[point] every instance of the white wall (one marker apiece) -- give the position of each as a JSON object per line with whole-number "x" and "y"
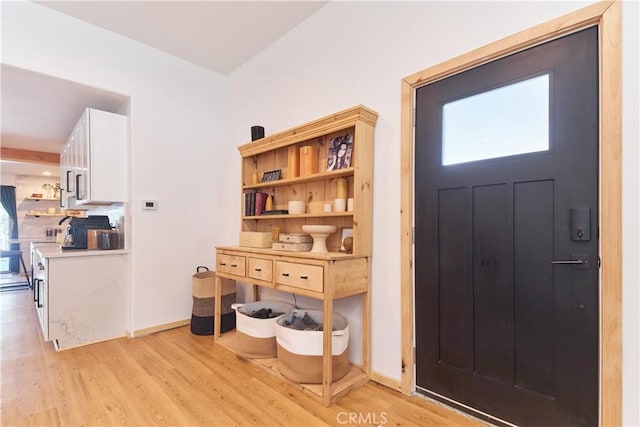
{"x": 352, "y": 53}
{"x": 178, "y": 116}
{"x": 8, "y": 179}
{"x": 630, "y": 214}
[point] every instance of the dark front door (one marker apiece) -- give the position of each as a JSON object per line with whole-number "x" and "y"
{"x": 506, "y": 240}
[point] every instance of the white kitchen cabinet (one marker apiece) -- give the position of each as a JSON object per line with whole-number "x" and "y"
{"x": 93, "y": 162}
{"x": 80, "y": 297}
{"x": 41, "y": 298}
{"x": 68, "y": 171}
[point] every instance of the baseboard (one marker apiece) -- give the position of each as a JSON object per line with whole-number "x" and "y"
{"x": 386, "y": 381}
{"x": 160, "y": 328}
{"x": 461, "y": 408}
{"x": 57, "y": 348}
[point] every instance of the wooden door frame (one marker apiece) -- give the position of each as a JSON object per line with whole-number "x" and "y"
{"x": 607, "y": 15}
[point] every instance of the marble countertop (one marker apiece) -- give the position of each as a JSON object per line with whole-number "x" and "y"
{"x": 32, "y": 240}
{"x": 55, "y": 251}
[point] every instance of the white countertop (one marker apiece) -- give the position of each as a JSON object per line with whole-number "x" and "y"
{"x": 33, "y": 240}
{"x": 55, "y": 251}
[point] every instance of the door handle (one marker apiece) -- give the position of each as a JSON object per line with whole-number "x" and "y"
{"x": 580, "y": 261}
{"x": 68, "y": 186}
{"x": 78, "y": 195}
{"x": 38, "y": 303}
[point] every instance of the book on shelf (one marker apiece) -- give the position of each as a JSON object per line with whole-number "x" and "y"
{"x": 261, "y": 200}
{"x": 248, "y": 207}
{"x": 254, "y": 203}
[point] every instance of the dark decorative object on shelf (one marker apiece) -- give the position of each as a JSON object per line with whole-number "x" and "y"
{"x": 257, "y": 132}
{"x": 276, "y": 212}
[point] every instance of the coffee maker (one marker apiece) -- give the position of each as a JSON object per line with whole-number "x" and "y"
{"x": 78, "y": 230}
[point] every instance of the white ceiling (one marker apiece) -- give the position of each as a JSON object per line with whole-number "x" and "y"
{"x": 219, "y": 35}
{"x": 38, "y": 112}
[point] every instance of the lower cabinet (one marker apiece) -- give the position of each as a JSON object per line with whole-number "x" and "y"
{"x": 299, "y": 275}
{"x": 42, "y": 307}
{"x": 81, "y": 299}
{"x": 261, "y": 269}
{"x": 324, "y": 277}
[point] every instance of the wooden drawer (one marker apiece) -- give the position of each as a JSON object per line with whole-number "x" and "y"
{"x": 260, "y": 269}
{"x": 231, "y": 264}
{"x": 300, "y": 275}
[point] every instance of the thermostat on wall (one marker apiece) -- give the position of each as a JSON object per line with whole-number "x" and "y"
{"x": 150, "y": 204}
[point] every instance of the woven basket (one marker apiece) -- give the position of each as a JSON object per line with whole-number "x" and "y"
{"x": 203, "y": 290}
{"x": 255, "y": 337}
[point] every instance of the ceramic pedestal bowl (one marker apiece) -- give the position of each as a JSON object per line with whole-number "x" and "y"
{"x": 319, "y": 233}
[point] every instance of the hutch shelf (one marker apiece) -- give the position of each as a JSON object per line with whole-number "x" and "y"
{"x": 323, "y": 276}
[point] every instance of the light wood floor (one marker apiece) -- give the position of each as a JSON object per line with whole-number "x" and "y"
{"x": 171, "y": 378}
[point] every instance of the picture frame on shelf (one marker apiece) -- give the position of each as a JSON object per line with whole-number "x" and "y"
{"x": 273, "y": 175}
{"x": 339, "y": 153}
{"x": 346, "y": 232}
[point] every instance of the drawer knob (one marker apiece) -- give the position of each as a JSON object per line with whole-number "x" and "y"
{"x": 234, "y": 265}
{"x": 257, "y": 269}
{"x": 304, "y": 277}
{"x": 223, "y": 263}
{"x": 285, "y": 274}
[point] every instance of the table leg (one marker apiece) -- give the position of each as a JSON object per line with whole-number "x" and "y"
{"x": 327, "y": 351}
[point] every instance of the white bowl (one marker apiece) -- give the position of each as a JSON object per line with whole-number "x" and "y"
{"x": 296, "y": 207}
{"x": 319, "y": 234}
{"x": 319, "y": 229}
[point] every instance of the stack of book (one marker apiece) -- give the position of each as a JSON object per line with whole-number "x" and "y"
{"x": 254, "y": 203}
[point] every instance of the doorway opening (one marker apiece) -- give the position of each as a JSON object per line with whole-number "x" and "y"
{"x": 4, "y": 239}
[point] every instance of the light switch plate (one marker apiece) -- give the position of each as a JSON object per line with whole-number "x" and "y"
{"x": 150, "y": 205}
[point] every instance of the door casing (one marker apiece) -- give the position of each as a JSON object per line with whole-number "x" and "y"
{"x": 607, "y": 16}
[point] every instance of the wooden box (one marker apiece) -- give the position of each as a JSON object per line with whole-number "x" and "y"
{"x": 255, "y": 239}
{"x": 292, "y": 247}
{"x": 295, "y": 238}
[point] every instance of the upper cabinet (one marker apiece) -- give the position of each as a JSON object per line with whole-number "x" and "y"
{"x": 313, "y": 165}
{"x": 93, "y": 161}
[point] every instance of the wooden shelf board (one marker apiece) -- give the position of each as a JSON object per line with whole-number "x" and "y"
{"x": 355, "y": 377}
{"x": 302, "y": 179}
{"x": 44, "y": 199}
{"x": 306, "y": 215}
{"x": 44, "y": 214}
{"x": 307, "y": 255}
